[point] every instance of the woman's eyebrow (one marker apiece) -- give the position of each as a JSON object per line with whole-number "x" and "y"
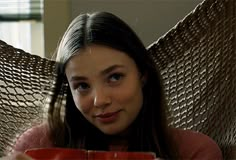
{"x": 111, "y": 68}
{"x": 103, "y": 72}
{"x": 78, "y": 78}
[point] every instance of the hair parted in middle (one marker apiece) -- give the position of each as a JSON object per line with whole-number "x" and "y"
{"x": 70, "y": 129}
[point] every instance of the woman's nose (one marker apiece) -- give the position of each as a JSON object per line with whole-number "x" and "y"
{"x": 101, "y": 97}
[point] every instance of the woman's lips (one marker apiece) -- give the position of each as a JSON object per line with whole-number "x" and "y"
{"x": 107, "y": 117}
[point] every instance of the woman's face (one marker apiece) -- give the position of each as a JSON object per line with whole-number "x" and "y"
{"x": 106, "y": 87}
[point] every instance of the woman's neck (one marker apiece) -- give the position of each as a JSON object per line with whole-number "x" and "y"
{"x": 118, "y": 144}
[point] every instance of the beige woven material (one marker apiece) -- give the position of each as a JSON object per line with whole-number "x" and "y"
{"x": 197, "y": 59}
{"x": 24, "y": 82}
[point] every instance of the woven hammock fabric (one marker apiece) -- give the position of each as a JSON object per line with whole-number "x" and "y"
{"x": 197, "y": 59}
{"x": 24, "y": 84}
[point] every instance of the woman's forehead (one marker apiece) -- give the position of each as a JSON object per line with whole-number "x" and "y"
{"x": 98, "y": 58}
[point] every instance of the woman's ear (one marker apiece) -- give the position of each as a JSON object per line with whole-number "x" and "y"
{"x": 143, "y": 78}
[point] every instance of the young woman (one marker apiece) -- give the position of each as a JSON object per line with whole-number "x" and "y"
{"x": 114, "y": 97}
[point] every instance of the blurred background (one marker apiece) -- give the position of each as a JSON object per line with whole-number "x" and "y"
{"x": 36, "y": 26}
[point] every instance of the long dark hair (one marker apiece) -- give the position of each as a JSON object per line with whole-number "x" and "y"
{"x": 69, "y": 128}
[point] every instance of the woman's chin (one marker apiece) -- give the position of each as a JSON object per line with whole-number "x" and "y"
{"x": 115, "y": 131}
{"x": 111, "y": 131}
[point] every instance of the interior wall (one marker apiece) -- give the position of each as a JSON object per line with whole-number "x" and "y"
{"x": 57, "y": 16}
{"x": 149, "y": 18}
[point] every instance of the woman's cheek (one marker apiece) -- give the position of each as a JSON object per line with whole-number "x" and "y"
{"x": 83, "y": 104}
{"x": 127, "y": 93}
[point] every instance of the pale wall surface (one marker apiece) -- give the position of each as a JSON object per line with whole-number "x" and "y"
{"x": 57, "y": 15}
{"x": 149, "y": 18}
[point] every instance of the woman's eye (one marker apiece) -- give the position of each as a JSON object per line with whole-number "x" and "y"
{"x": 82, "y": 87}
{"x": 115, "y": 77}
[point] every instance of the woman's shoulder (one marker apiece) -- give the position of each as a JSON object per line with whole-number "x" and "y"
{"x": 196, "y": 145}
{"x": 36, "y": 137}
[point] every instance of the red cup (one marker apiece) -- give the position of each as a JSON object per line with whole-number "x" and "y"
{"x": 80, "y": 154}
